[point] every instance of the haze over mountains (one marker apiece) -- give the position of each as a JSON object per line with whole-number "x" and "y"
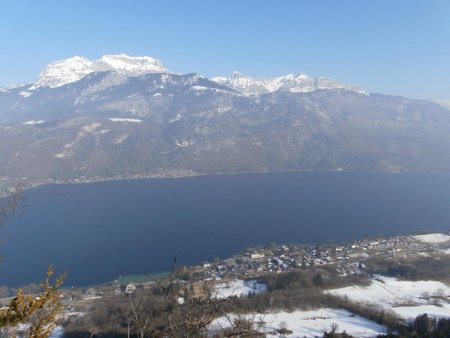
{"x": 122, "y": 116}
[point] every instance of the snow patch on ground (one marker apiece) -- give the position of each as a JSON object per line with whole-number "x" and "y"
{"x": 407, "y": 299}
{"x": 33, "y": 122}
{"x": 203, "y": 88}
{"x": 312, "y": 323}
{"x": 25, "y": 94}
{"x": 182, "y": 143}
{"x": 432, "y": 238}
{"x": 199, "y": 88}
{"x": 58, "y": 332}
{"x": 118, "y": 119}
{"x": 176, "y": 118}
{"x": 238, "y": 288}
{"x": 411, "y": 312}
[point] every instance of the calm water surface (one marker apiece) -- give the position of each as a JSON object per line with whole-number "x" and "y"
{"x": 98, "y": 231}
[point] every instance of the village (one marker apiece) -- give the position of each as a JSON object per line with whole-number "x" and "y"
{"x": 9, "y": 184}
{"x": 254, "y": 263}
{"x": 245, "y": 274}
{"x": 347, "y": 258}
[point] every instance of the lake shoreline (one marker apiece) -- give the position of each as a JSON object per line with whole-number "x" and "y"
{"x": 135, "y": 226}
{"x": 7, "y": 187}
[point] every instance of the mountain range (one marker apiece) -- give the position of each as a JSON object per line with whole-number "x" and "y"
{"x": 122, "y": 116}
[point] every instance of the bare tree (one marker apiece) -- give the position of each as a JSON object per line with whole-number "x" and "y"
{"x": 182, "y": 311}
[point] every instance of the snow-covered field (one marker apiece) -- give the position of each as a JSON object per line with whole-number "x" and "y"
{"x": 238, "y": 288}
{"x": 407, "y": 299}
{"x": 433, "y": 238}
{"x": 312, "y": 323}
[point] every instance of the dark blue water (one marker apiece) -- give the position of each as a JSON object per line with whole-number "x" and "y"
{"x": 99, "y": 231}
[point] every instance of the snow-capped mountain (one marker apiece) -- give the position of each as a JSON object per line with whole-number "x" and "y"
{"x": 123, "y": 116}
{"x": 72, "y": 70}
{"x": 8, "y": 88}
{"x": 62, "y": 72}
{"x": 300, "y": 83}
{"x": 444, "y": 103}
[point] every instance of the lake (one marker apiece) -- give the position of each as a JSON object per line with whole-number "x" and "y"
{"x": 98, "y": 231}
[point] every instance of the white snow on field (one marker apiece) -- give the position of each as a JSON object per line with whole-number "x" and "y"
{"x": 117, "y": 119}
{"x": 34, "y": 122}
{"x": 238, "y": 288}
{"x": 432, "y": 238}
{"x": 407, "y": 299}
{"x": 58, "y": 332}
{"x": 312, "y": 323}
{"x": 411, "y": 312}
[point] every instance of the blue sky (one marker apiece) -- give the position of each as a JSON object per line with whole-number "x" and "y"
{"x": 388, "y": 46}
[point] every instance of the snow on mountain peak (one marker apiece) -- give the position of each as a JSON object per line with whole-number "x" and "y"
{"x": 133, "y": 65}
{"x": 62, "y": 72}
{"x": 236, "y": 74}
{"x": 8, "y": 88}
{"x": 299, "y": 83}
{"x": 73, "y": 69}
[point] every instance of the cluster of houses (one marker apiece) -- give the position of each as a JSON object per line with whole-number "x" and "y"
{"x": 8, "y": 183}
{"x": 346, "y": 258}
